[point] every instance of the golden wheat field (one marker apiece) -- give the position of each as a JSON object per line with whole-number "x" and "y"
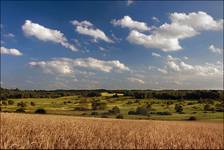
{"x": 27, "y": 131}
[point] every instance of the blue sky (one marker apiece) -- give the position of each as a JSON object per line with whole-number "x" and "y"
{"x": 112, "y": 44}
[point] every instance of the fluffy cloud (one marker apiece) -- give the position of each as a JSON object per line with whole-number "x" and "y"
{"x": 136, "y": 80}
{"x": 214, "y": 49}
{"x": 11, "y": 51}
{"x": 182, "y": 26}
{"x": 172, "y": 65}
{"x": 185, "y": 57}
{"x": 155, "y": 19}
{"x": 199, "y": 21}
{"x": 45, "y": 34}
{"x": 177, "y": 65}
{"x": 164, "y": 71}
{"x": 127, "y": 22}
{"x": 9, "y": 35}
{"x": 105, "y": 66}
{"x": 156, "y": 54}
{"x": 129, "y": 2}
{"x": 87, "y": 28}
{"x": 67, "y": 66}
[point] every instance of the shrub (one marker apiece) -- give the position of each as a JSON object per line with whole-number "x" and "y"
{"x": 106, "y": 113}
{"x": 115, "y": 95}
{"x": 208, "y": 107}
{"x": 10, "y": 102}
{"x": 142, "y": 110}
{"x": 40, "y": 111}
{"x": 164, "y": 113}
{"x": 96, "y": 105}
{"x": 131, "y": 112}
{"x": 20, "y": 110}
{"x": 32, "y": 104}
{"x": 179, "y": 108}
{"x": 94, "y": 113}
{"x": 194, "y": 107}
{"x": 190, "y": 103}
{"x": 4, "y": 103}
{"x": 129, "y": 102}
{"x": 192, "y": 118}
{"x": 219, "y": 109}
{"x": 115, "y": 110}
{"x": 120, "y": 116}
{"x": 81, "y": 109}
{"x": 104, "y": 116}
{"x": 21, "y": 104}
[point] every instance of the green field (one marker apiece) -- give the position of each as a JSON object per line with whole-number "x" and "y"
{"x": 67, "y": 106}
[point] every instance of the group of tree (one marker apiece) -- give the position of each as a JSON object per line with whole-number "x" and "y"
{"x": 137, "y": 94}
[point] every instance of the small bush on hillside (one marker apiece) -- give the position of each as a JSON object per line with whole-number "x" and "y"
{"x": 32, "y": 104}
{"x": 114, "y": 110}
{"x": 10, "y": 102}
{"x": 20, "y": 110}
{"x": 190, "y": 103}
{"x": 4, "y": 103}
{"x": 179, "y": 108}
{"x": 142, "y": 111}
{"x": 104, "y": 116}
{"x": 97, "y": 105}
{"x": 131, "y": 112}
{"x": 81, "y": 109}
{"x": 106, "y": 113}
{"x": 21, "y": 104}
{"x": 94, "y": 113}
{"x": 191, "y": 118}
{"x": 40, "y": 111}
{"x": 164, "y": 113}
{"x": 129, "y": 102}
{"x": 208, "y": 107}
{"x": 115, "y": 96}
{"x": 194, "y": 107}
{"x": 120, "y": 116}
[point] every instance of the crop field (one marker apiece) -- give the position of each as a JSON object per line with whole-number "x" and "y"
{"x": 82, "y": 106}
{"x": 67, "y": 132}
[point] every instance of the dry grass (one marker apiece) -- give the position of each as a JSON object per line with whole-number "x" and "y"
{"x": 64, "y": 132}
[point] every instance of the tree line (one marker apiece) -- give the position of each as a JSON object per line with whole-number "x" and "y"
{"x": 137, "y": 94}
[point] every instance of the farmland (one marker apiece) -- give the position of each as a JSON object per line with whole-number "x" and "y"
{"x": 63, "y": 132}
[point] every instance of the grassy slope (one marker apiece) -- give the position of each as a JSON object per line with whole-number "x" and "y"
{"x": 57, "y": 106}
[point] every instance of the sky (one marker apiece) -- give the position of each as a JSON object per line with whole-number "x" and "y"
{"x": 112, "y": 44}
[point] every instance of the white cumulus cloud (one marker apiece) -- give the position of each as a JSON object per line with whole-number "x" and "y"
{"x": 87, "y": 28}
{"x": 67, "y": 66}
{"x": 128, "y": 22}
{"x": 214, "y": 49}
{"x": 11, "y": 51}
{"x": 179, "y": 66}
{"x": 167, "y": 36}
{"x": 45, "y": 34}
{"x": 136, "y": 80}
{"x": 129, "y": 2}
{"x": 156, "y": 54}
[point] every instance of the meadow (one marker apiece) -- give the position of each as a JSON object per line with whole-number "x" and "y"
{"x": 83, "y": 106}
{"x": 34, "y": 131}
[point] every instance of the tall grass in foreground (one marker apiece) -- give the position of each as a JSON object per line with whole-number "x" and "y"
{"x": 64, "y": 132}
